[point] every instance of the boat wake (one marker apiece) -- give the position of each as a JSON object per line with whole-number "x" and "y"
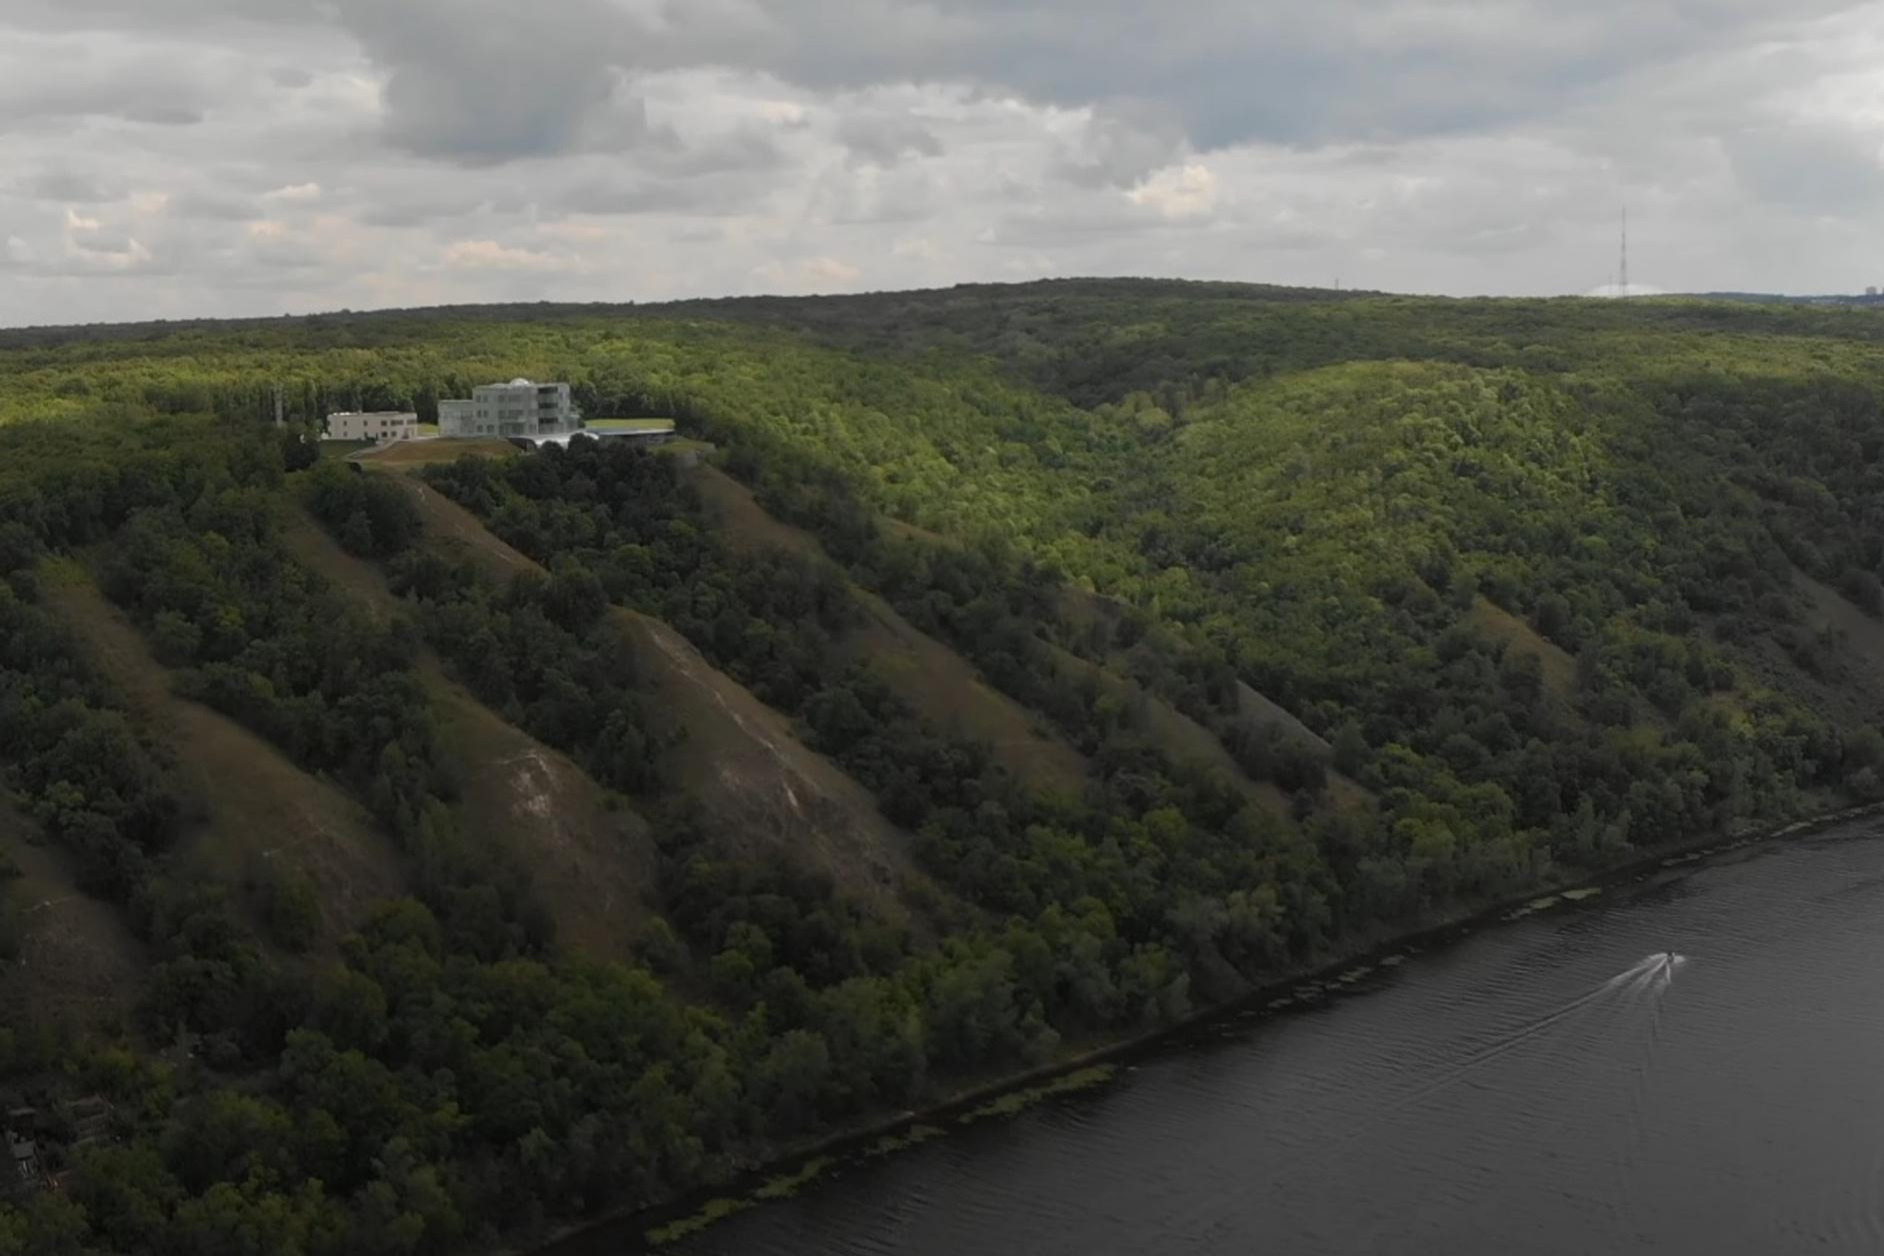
{"x": 1652, "y": 972}
{"x": 1640, "y": 983}
{"x": 1612, "y": 1009}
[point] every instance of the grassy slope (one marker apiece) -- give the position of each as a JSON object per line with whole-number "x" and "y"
{"x": 592, "y": 856}
{"x": 925, "y": 673}
{"x": 1081, "y": 606}
{"x": 1246, "y": 455}
{"x": 1830, "y": 609}
{"x": 1852, "y": 684}
{"x": 1170, "y": 728}
{"x": 943, "y": 685}
{"x": 1271, "y": 714}
{"x": 254, "y": 810}
{"x": 1518, "y": 637}
{"x": 1174, "y": 732}
{"x": 424, "y": 452}
{"x": 78, "y": 960}
{"x": 765, "y": 789}
{"x": 740, "y": 760}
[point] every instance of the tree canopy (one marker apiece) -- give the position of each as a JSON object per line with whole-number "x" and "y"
{"x": 1357, "y": 612}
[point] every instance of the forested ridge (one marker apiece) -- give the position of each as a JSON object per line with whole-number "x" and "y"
{"x": 1462, "y": 599}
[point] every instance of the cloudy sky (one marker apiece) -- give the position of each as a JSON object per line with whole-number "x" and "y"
{"x": 164, "y": 158}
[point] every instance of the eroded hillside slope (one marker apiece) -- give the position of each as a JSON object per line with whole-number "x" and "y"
{"x": 1081, "y": 654}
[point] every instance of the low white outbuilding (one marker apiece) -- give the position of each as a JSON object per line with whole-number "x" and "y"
{"x": 373, "y": 425}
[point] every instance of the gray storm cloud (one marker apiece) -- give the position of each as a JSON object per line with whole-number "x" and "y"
{"x": 613, "y": 149}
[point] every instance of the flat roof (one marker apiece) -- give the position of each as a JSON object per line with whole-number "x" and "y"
{"x": 563, "y": 438}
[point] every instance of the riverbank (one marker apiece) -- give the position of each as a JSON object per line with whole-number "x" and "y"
{"x": 1324, "y": 977}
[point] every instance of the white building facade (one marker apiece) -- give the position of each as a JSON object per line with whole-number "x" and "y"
{"x": 376, "y": 425}
{"x": 519, "y": 408}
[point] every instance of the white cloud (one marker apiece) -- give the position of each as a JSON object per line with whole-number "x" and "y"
{"x": 490, "y": 255}
{"x": 255, "y": 156}
{"x": 1187, "y": 191}
{"x": 91, "y": 244}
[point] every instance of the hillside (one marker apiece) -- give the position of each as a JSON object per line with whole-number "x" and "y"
{"x": 739, "y": 760}
{"x": 930, "y": 677}
{"x": 1028, "y": 667}
{"x": 252, "y": 819}
{"x": 67, "y": 955}
{"x": 589, "y": 852}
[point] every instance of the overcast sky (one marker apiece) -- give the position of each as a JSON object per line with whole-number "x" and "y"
{"x": 166, "y": 158}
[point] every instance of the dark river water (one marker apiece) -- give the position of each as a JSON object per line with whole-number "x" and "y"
{"x": 1553, "y": 1085}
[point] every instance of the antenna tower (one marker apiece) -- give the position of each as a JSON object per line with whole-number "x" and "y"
{"x": 1622, "y": 284}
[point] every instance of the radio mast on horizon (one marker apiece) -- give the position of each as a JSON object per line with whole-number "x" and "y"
{"x": 1622, "y": 283}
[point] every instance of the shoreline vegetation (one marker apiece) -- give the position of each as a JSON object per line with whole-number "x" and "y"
{"x": 786, "y": 1175}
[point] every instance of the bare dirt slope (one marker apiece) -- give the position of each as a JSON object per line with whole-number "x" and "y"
{"x": 753, "y": 776}
{"x": 939, "y": 683}
{"x": 253, "y": 812}
{"x": 591, "y": 855}
{"x": 740, "y": 760}
{"x": 75, "y": 955}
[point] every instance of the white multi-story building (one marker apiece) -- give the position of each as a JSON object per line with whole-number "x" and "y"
{"x": 519, "y": 408}
{"x": 378, "y": 425}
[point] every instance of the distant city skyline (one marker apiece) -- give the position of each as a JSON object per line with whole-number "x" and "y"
{"x": 186, "y": 158}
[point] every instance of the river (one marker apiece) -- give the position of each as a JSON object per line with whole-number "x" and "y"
{"x": 1559, "y": 1084}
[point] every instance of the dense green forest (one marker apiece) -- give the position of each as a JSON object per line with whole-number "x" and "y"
{"x": 1348, "y": 614}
